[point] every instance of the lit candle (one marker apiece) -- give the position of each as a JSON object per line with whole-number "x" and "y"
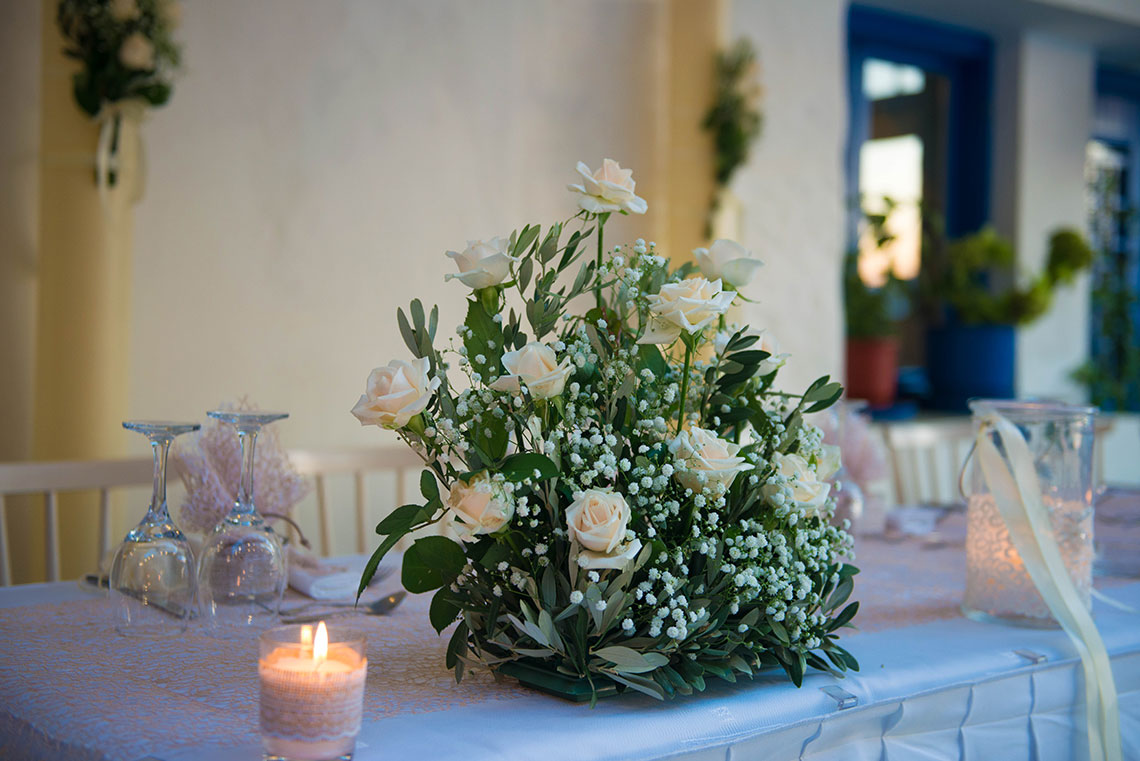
{"x": 312, "y": 692}
{"x": 998, "y": 585}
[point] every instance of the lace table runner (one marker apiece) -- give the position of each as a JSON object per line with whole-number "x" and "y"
{"x": 72, "y": 688}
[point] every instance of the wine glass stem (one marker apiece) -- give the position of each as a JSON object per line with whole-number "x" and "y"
{"x": 161, "y": 448}
{"x": 248, "y": 439}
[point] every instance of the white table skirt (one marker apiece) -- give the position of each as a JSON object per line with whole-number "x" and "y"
{"x": 949, "y": 689}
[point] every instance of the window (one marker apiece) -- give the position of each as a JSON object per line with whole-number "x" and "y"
{"x": 920, "y": 135}
{"x": 1112, "y": 176}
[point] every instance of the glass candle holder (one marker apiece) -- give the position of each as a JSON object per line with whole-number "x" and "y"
{"x": 312, "y": 692}
{"x": 1060, "y": 441}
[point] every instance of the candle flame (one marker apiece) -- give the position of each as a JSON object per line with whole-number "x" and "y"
{"x": 321, "y": 643}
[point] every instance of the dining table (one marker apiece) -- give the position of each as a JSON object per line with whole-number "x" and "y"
{"x": 932, "y": 684}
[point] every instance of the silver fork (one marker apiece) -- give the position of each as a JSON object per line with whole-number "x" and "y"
{"x": 380, "y": 607}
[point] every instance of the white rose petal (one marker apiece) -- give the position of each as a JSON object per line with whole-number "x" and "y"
{"x": 597, "y": 522}
{"x": 729, "y": 261}
{"x": 478, "y": 506}
{"x": 808, "y": 490}
{"x": 396, "y": 393}
{"x": 688, "y": 306}
{"x": 484, "y": 263}
{"x": 703, "y": 452}
{"x": 535, "y": 365}
{"x": 829, "y": 462}
{"x": 607, "y": 190}
{"x": 621, "y": 557}
{"x": 137, "y": 52}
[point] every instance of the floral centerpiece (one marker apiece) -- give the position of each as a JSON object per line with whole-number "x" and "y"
{"x": 128, "y": 56}
{"x": 619, "y": 497}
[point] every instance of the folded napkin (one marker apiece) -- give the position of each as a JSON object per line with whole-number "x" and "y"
{"x": 333, "y": 578}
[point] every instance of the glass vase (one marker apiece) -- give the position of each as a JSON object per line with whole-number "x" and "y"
{"x": 152, "y": 582}
{"x": 1059, "y": 438}
{"x": 242, "y": 570}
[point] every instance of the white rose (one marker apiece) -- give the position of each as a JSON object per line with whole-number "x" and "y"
{"x": 597, "y": 522}
{"x": 808, "y": 491}
{"x": 608, "y": 189}
{"x": 537, "y": 367}
{"x": 137, "y": 52}
{"x": 396, "y": 393}
{"x": 124, "y": 10}
{"x": 689, "y": 306}
{"x": 703, "y": 452}
{"x": 483, "y": 263}
{"x": 829, "y": 461}
{"x": 729, "y": 261}
{"x": 766, "y": 343}
{"x": 478, "y": 507}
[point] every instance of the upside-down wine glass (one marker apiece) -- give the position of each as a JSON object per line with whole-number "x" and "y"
{"x": 152, "y": 581}
{"x": 242, "y": 572}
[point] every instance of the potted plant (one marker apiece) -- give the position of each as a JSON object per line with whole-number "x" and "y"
{"x": 872, "y": 314}
{"x": 975, "y": 303}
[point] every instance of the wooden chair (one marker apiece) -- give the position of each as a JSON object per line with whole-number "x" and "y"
{"x": 49, "y": 479}
{"x": 926, "y": 457}
{"x": 358, "y": 463}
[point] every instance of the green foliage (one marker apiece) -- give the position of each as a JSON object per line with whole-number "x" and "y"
{"x": 976, "y": 277}
{"x": 734, "y": 120}
{"x": 94, "y": 37}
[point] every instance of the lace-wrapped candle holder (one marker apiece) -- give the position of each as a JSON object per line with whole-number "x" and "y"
{"x": 1060, "y": 441}
{"x": 312, "y": 692}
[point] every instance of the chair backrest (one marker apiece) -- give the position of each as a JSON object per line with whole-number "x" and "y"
{"x": 926, "y": 457}
{"x": 358, "y": 463}
{"x": 49, "y": 479}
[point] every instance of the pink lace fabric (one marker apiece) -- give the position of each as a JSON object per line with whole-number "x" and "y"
{"x": 72, "y": 688}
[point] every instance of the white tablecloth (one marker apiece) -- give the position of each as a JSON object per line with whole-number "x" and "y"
{"x": 952, "y": 688}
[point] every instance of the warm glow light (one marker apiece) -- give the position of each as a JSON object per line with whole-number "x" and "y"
{"x": 892, "y": 167}
{"x": 321, "y": 643}
{"x": 306, "y": 636}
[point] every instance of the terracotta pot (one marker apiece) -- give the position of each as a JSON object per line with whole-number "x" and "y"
{"x": 873, "y": 369}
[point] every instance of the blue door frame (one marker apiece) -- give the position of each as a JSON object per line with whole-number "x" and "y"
{"x": 963, "y": 56}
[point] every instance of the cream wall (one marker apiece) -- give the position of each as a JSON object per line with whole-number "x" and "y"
{"x": 19, "y": 144}
{"x": 1049, "y": 83}
{"x": 792, "y": 188}
{"x": 317, "y": 159}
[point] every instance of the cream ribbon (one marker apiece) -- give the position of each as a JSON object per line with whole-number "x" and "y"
{"x": 110, "y": 117}
{"x": 1017, "y": 494}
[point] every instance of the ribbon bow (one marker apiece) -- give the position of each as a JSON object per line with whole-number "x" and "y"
{"x": 1012, "y": 480}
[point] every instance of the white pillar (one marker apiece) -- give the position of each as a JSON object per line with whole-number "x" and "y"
{"x": 1044, "y": 91}
{"x": 792, "y": 189}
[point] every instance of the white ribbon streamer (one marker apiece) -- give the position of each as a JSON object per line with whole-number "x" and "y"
{"x": 110, "y": 119}
{"x": 1017, "y": 493}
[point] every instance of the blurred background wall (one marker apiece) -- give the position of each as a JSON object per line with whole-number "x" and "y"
{"x": 318, "y": 159}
